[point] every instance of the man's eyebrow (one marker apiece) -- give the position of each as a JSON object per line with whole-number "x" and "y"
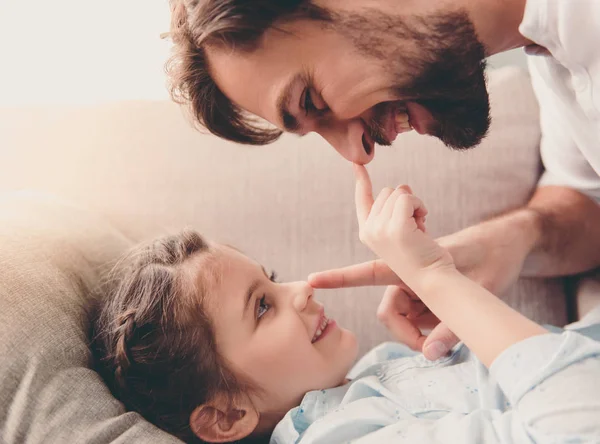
{"x": 290, "y": 123}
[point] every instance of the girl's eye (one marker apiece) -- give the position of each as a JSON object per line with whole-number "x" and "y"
{"x": 262, "y": 308}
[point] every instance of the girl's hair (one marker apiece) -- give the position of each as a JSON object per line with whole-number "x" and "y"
{"x": 233, "y": 24}
{"x": 154, "y": 340}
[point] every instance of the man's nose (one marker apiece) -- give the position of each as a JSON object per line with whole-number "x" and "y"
{"x": 301, "y": 295}
{"x": 349, "y": 139}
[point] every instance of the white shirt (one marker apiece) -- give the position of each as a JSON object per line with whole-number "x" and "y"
{"x": 567, "y": 86}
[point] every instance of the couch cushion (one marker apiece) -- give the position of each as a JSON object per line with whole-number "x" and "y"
{"x": 51, "y": 254}
{"x": 289, "y": 205}
{"x": 588, "y": 293}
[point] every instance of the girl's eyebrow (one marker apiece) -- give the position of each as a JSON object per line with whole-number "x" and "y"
{"x": 249, "y": 294}
{"x": 251, "y": 291}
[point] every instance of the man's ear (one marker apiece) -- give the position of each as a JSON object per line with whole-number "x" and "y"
{"x": 224, "y": 421}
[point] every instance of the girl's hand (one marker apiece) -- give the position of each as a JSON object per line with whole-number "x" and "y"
{"x": 393, "y": 227}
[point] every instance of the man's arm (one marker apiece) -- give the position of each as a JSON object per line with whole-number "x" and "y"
{"x": 568, "y": 225}
{"x": 556, "y": 234}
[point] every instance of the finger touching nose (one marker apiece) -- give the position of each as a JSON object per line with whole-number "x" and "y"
{"x": 350, "y": 139}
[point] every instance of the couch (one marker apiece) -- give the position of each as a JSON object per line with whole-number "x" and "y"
{"x": 79, "y": 185}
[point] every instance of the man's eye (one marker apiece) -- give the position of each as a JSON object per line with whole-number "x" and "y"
{"x": 308, "y": 102}
{"x": 262, "y": 308}
{"x": 312, "y": 102}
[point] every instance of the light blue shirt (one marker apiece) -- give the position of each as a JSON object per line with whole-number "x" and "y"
{"x": 545, "y": 389}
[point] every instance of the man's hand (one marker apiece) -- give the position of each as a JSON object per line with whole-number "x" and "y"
{"x": 491, "y": 253}
{"x": 404, "y": 315}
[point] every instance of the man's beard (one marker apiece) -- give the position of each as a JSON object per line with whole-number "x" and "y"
{"x": 438, "y": 62}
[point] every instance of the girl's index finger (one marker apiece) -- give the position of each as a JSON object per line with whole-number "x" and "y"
{"x": 364, "y": 193}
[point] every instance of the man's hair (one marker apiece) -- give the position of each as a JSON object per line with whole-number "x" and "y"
{"x": 233, "y": 24}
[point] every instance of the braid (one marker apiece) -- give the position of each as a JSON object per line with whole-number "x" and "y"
{"x": 123, "y": 358}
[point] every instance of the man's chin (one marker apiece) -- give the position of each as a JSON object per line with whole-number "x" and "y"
{"x": 459, "y": 134}
{"x": 460, "y": 139}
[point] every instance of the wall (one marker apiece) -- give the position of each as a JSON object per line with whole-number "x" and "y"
{"x": 90, "y": 51}
{"x": 82, "y": 51}
{"x": 514, "y": 57}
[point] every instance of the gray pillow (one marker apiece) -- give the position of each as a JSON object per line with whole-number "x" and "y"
{"x": 50, "y": 255}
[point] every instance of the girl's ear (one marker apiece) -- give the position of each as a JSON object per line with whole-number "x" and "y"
{"x": 224, "y": 421}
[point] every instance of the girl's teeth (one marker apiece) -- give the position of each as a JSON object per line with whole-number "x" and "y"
{"x": 321, "y": 328}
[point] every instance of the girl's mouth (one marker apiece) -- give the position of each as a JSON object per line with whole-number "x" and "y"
{"x": 323, "y": 328}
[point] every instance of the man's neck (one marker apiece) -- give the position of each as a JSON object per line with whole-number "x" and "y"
{"x": 497, "y": 23}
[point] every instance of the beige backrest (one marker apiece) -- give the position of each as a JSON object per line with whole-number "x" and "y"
{"x": 289, "y": 205}
{"x": 146, "y": 171}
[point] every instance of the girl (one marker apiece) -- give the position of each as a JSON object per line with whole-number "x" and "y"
{"x": 204, "y": 343}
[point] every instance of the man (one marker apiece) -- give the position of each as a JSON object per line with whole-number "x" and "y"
{"x": 361, "y": 72}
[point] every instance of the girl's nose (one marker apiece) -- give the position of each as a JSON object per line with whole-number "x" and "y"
{"x": 302, "y": 293}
